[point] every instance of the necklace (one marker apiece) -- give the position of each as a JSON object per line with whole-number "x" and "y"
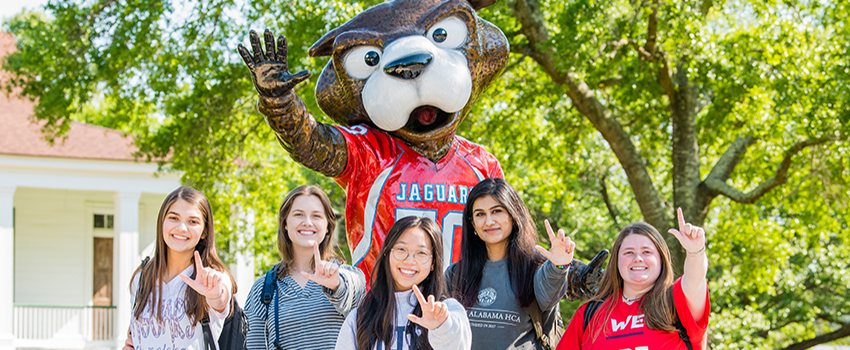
{"x": 630, "y": 300}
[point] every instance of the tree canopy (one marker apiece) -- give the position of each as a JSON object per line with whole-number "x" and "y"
{"x": 610, "y": 112}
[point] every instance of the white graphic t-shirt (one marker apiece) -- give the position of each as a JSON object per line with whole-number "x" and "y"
{"x": 175, "y": 332}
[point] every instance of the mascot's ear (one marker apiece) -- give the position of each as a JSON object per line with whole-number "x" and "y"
{"x": 480, "y": 4}
{"x": 324, "y": 46}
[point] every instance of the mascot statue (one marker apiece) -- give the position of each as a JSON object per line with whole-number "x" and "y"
{"x": 401, "y": 77}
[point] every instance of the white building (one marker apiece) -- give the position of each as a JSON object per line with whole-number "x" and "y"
{"x": 75, "y": 219}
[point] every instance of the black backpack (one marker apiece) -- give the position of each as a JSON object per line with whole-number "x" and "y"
{"x": 234, "y": 331}
{"x": 593, "y": 305}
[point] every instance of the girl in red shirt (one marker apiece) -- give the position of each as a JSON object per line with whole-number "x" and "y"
{"x": 640, "y": 307}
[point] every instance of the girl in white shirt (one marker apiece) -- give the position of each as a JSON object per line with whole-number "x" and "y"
{"x": 183, "y": 282}
{"x": 395, "y": 314}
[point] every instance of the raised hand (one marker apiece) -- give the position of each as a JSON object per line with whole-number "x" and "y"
{"x": 691, "y": 237}
{"x": 207, "y": 281}
{"x": 326, "y": 272}
{"x": 434, "y": 313}
{"x": 562, "y": 249}
{"x": 269, "y": 69}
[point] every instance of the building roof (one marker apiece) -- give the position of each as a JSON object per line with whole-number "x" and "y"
{"x": 20, "y": 136}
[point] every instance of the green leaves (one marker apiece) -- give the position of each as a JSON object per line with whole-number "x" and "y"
{"x": 777, "y": 71}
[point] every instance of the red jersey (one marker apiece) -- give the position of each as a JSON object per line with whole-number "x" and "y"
{"x": 626, "y": 329}
{"x": 385, "y": 180}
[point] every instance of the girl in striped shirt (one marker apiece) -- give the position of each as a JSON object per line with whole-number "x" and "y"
{"x": 313, "y": 290}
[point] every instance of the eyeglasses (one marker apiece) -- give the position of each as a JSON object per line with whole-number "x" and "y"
{"x": 401, "y": 254}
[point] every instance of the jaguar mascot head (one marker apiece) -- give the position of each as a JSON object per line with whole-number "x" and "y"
{"x": 410, "y": 68}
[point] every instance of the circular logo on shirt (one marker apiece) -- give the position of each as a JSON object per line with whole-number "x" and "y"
{"x": 486, "y": 296}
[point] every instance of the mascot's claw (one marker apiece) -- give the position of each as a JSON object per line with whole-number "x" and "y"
{"x": 583, "y": 279}
{"x": 269, "y": 69}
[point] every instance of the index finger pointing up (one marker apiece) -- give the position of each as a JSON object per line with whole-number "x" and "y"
{"x": 316, "y": 255}
{"x": 419, "y": 296}
{"x": 200, "y": 273}
{"x": 199, "y": 265}
{"x": 549, "y": 231}
{"x": 681, "y": 218}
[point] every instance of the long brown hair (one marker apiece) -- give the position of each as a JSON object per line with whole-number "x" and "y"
{"x": 523, "y": 259}
{"x": 284, "y": 244}
{"x": 151, "y": 279}
{"x": 657, "y": 304}
{"x": 377, "y": 314}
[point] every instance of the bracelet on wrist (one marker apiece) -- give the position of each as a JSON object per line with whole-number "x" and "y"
{"x": 562, "y": 266}
{"x": 697, "y": 253}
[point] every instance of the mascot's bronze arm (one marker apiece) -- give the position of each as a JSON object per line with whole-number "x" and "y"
{"x": 318, "y": 146}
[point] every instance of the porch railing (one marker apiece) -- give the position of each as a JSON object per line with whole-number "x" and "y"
{"x": 70, "y": 326}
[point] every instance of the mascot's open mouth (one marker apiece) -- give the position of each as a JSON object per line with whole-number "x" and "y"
{"x": 426, "y": 118}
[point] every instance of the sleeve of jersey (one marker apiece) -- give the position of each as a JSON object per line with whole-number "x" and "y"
{"x": 696, "y": 328}
{"x": 367, "y": 147}
{"x": 572, "y": 335}
{"x": 496, "y": 171}
{"x": 494, "y": 168}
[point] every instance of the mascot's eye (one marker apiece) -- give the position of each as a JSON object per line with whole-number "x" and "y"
{"x": 361, "y": 61}
{"x": 439, "y": 35}
{"x": 372, "y": 58}
{"x": 449, "y": 33}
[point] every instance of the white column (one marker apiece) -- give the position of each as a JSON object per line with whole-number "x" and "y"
{"x": 7, "y": 267}
{"x": 243, "y": 268}
{"x": 126, "y": 259}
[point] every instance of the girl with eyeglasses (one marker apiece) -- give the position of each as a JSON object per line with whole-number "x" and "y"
{"x": 395, "y": 314}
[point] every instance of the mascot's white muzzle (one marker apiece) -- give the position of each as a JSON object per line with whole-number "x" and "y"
{"x": 414, "y": 72}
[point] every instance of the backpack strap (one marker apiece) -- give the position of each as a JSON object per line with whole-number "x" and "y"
{"x": 683, "y": 333}
{"x": 269, "y": 285}
{"x": 269, "y": 294}
{"x": 537, "y": 321}
{"x": 589, "y": 310}
{"x": 208, "y": 337}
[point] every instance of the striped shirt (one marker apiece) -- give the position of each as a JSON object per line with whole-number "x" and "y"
{"x": 308, "y": 318}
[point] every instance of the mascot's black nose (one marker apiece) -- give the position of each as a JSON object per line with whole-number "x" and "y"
{"x": 409, "y": 67}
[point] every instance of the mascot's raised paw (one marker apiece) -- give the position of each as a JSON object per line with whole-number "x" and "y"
{"x": 583, "y": 280}
{"x": 269, "y": 69}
